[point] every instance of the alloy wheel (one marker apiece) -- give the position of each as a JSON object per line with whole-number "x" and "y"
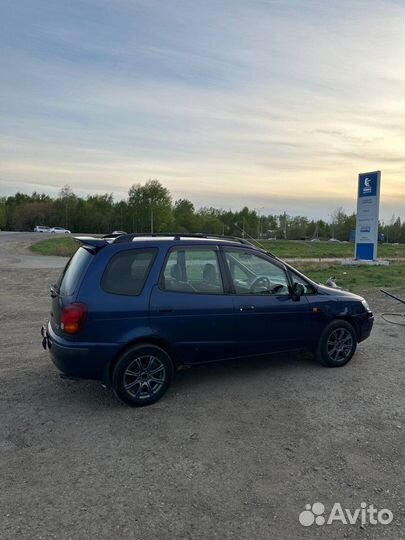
{"x": 144, "y": 377}
{"x": 339, "y": 344}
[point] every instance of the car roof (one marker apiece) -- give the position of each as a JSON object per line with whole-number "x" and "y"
{"x": 179, "y": 238}
{"x": 172, "y": 239}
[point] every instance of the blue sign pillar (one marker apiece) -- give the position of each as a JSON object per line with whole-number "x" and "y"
{"x": 368, "y": 204}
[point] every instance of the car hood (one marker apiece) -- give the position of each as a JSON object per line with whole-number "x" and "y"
{"x": 339, "y": 293}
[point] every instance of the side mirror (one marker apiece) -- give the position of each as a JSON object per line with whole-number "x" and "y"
{"x": 297, "y": 290}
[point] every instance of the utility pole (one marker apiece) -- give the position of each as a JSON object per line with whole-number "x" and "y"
{"x": 333, "y": 225}
{"x": 258, "y": 210}
{"x": 151, "y": 215}
{"x": 285, "y": 225}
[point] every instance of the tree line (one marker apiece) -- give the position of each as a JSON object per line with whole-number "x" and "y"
{"x": 150, "y": 207}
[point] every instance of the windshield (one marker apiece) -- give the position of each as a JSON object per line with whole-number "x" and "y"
{"x": 73, "y": 272}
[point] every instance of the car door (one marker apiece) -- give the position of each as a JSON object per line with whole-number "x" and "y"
{"x": 190, "y": 307}
{"x": 269, "y": 319}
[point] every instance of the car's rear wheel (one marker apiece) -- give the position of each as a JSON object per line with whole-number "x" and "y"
{"x": 337, "y": 345}
{"x": 142, "y": 375}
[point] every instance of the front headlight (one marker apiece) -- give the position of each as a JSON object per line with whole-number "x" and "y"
{"x": 364, "y": 303}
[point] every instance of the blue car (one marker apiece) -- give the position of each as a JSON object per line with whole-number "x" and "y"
{"x": 130, "y": 310}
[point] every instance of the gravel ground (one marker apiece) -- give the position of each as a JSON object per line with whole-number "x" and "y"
{"x": 231, "y": 451}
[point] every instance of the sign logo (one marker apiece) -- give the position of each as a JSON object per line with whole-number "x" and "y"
{"x": 365, "y": 515}
{"x": 367, "y": 188}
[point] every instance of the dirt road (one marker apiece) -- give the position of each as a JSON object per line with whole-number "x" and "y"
{"x": 232, "y": 451}
{"x": 15, "y": 253}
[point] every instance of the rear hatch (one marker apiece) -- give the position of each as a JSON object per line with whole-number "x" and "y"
{"x": 64, "y": 292}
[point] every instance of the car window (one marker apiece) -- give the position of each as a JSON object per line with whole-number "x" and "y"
{"x": 193, "y": 270}
{"x": 127, "y": 271}
{"x": 252, "y": 274}
{"x": 73, "y": 271}
{"x": 308, "y": 288}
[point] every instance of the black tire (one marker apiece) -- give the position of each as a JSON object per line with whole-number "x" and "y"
{"x": 142, "y": 375}
{"x": 337, "y": 344}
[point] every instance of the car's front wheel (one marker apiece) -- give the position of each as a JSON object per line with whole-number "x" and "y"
{"x": 142, "y": 375}
{"x": 337, "y": 345}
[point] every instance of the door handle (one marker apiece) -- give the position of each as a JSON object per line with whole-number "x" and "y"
{"x": 165, "y": 309}
{"x": 247, "y": 308}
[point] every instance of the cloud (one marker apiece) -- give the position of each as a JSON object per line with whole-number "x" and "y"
{"x": 228, "y": 102}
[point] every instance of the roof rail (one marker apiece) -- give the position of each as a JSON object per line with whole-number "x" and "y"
{"x": 179, "y": 236}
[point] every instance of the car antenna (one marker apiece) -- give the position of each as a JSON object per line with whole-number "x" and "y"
{"x": 244, "y": 233}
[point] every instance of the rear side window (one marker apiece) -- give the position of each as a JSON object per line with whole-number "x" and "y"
{"x": 73, "y": 272}
{"x": 127, "y": 271}
{"x": 193, "y": 271}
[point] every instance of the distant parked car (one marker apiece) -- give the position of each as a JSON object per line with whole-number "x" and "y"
{"x": 41, "y": 228}
{"x": 315, "y": 240}
{"x": 117, "y": 233}
{"x": 59, "y": 230}
{"x": 333, "y": 240}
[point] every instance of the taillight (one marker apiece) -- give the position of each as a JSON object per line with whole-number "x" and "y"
{"x": 72, "y": 318}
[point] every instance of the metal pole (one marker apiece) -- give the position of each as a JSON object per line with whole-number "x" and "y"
{"x": 151, "y": 218}
{"x": 332, "y": 224}
{"x": 258, "y": 210}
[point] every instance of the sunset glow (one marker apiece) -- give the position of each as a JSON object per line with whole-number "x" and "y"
{"x": 277, "y": 104}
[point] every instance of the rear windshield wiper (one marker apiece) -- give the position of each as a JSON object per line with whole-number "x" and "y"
{"x": 54, "y": 291}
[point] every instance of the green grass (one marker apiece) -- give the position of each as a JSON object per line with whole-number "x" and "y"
{"x": 356, "y": 278}
{"x": 64, "y": 247}
{"x": 301, "y": 249}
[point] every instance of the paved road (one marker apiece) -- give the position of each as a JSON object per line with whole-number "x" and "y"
{"x": 232, "y": 451}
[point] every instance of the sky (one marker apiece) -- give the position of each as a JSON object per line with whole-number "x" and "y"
{"x": 274, "y": 104}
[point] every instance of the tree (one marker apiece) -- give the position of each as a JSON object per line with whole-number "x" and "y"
{"x": 209, "y": 222}
{"x": 184, "y": 216}
{"x": 3, "y": 213}
{"x": 151, "y": 207}
{"x": 245, "y": 223}
{"x": 27, "y": 215}
{"x": 64, "y": 207}
{"x": 99, "y": 213}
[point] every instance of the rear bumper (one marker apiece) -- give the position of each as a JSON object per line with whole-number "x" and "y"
{"x": 84, "y": 360}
